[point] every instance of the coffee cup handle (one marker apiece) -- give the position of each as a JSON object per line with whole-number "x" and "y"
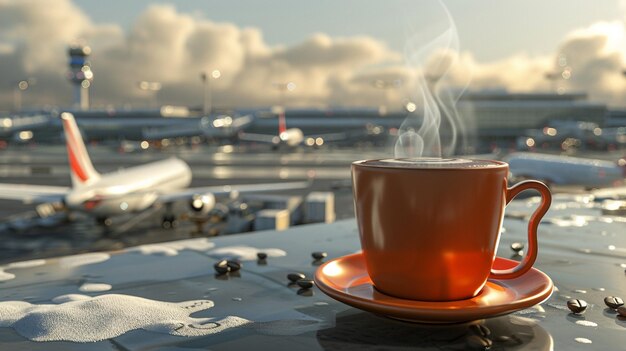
{"x": 531, "y": 254}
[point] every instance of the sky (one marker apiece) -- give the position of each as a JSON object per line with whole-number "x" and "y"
{"x": 332, "y": 50}
{"x": 491, "y": 29}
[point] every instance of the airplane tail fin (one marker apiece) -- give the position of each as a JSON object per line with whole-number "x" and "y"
{"x": 80, "y": 164}
{"x": 282, "y": 124}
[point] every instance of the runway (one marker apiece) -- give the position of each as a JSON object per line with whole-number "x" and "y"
{"x": 47, "y": 165}
{"x": 210, "y": 165}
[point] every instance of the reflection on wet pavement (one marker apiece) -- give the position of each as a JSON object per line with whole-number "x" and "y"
{"x": 366, "y": 331}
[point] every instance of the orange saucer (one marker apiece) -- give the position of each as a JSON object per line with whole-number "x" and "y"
{"x": 346, "y": 279}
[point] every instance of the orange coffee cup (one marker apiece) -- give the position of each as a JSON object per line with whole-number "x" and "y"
{"x": 429, "y": 228}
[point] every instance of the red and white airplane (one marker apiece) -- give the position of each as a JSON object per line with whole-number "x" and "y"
{"x": 128, "y": 190}
{"x": 566, "y": 170}
{"x": 290, "y": 137}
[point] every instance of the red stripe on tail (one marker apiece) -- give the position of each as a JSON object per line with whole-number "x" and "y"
{"x": 75, "y": 165}
{"x": 73, "y": 154}
{"x": 282, "y": 124}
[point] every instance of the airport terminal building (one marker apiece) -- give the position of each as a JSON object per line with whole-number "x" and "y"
{"x": 503, "y": 114}
{"x": 490, "y": 116}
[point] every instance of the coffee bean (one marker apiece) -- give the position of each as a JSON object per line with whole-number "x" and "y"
{"x": 234, "y": 265}
{"x": 517, "y": 247}
{"x": 622, "y": 311}
{"x": 222, "y": 267}
{"x": 577, "y": 306}
{"x": 261, "y": 255}
{"x": 475, "y": 342}
{"x": 480, "y": 330}
{"x": 294, "y": 277}
{"x": 613, "y": 302}
{"x": 319, "y": 255}
{"x": 305, "y": 283}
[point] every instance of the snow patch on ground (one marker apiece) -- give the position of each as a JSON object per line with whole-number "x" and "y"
{"x": 245, "y": 253}
{"x": 27, "y": 264}
{"x": 81, "y": 318}
{"x": 172, "y": 248}
{"x": 83, "y": 259}
{"x": 4, "y": 276}
{"x": 70, "y": 297}
{"x": 94, "y": 287}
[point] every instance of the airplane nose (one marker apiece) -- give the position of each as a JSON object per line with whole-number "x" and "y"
{"x": 70, "y": 200}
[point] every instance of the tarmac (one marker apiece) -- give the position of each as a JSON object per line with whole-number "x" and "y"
{"x": 21, "y": 239}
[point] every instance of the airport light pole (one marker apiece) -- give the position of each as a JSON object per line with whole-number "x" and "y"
{"x": 19, "y": 90}
{"x": 282, "y": 89}
{"x": 564, "y": 74}
{"x": 153, "y": 88}
{"x": 552, "y": 77}
{"x": 207, "y": 99}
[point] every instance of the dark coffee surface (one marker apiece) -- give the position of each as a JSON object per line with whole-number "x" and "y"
{"x": 431, "y": 162}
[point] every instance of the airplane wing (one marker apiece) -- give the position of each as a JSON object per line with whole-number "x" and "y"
{"x": 221, "y": 190}
{"x": 227, "y": 126}
{"x": 32, "y": 193}
{"x": 273, "y": 139}
{"x": 171, "y": 132}
{"x": 330, "y": 136}
{"x": 259, "y": 138}
{"x": 243, "y": 121}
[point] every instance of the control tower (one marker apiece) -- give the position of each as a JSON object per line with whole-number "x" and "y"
{"x": 80, "y": 74}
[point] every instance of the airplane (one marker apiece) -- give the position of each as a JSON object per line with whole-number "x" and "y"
{"x": 129, "y": 190}
{"x": 20, "y": 128}
{"x": 221, "y": 127}
{"x": 131, "y": 126}
{"x": 566, "y": 170}
{"x": 291, "y": 137}
{"x": 564, "y": 135}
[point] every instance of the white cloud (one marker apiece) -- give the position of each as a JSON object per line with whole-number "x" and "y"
{"x": 594, "y": 57}
{"x": 173, "y": 48}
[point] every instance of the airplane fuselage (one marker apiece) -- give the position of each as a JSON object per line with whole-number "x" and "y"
{"x": 129, "y": 190}
{"x": 560, "y": 170}
{"x": 291, "y": 137}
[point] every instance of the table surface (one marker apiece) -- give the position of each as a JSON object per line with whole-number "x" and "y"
{"x": 583, "y": 251}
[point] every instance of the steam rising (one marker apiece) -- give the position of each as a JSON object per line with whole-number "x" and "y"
{"x": 432, "y": 59}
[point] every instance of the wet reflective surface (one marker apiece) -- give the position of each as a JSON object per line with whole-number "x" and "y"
{"x": 585, "y": 262}
{"x": 364, "y": 331}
